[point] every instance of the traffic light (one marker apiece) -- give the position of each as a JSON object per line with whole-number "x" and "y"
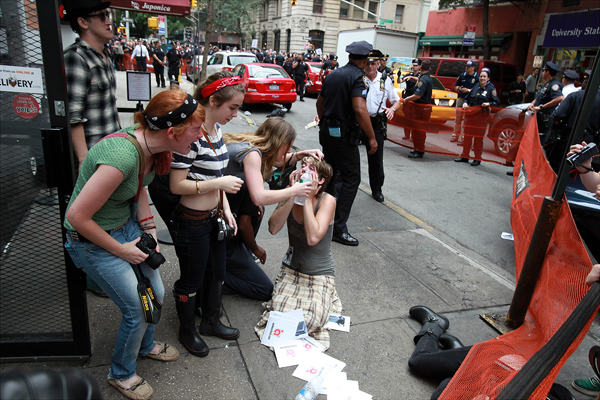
{"x": 294, "y": 3}
{"x": 194, "y": 3}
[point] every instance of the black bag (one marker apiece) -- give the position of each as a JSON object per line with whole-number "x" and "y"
{"x": 281, "y": 176}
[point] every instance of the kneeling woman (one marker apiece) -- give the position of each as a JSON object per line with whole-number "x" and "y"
{"x": 198, "y": 176}
{"x": 306, "y": 279}
{"x": 102, "y": 219}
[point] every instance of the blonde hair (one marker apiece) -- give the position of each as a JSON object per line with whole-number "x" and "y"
{"x": 273, "y": 134}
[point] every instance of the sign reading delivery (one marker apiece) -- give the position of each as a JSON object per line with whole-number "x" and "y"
{"x": 579, "y": 30}
{"x": 21, "y": 80}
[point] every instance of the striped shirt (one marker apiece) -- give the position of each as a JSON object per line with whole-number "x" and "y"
{"x": 201, "y": 161}
{"x": 91, "y": 86}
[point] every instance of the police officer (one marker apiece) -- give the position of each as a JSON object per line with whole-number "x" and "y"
{"x": 300, "y": 73}
{"x": 381, "y": 88}
{"x": 411, "y": 78}
{"x": 482, "y": 94}
{"x": 342, "y": 110}
{"x": 328, "y": 66}
{"x": 549, "y": 96}
{"x": 465, "y": 82}
{"x": 383, "y": 65}
{"x": 420, "y": 112}
{"x": 288, "y": 65}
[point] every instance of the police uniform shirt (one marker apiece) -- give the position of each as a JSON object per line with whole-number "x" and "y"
{"x": 468, "y": 81}
{"x": 567, "y": 109}
{"x": 375, "y": 95}
{"x": 479, "y": 95}
{"x": 338, "y": 90}
{"x": 424, "y": 88}
{"x": 289, "y": 69}
{"x": 551, "y": 90}
{"x": 173, "y": 56}
{"x": 387, "y": 69}
{"x": 301, "y": 70}
{"x": 410, "y": 84}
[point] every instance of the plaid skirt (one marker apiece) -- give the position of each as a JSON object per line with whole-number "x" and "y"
{"x": 314, "y": 294}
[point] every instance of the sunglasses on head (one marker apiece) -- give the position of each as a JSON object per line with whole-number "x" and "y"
{"x": 102, "y": 16}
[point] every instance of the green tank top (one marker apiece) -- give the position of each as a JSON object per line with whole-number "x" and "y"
{"x": 119, "y": 153}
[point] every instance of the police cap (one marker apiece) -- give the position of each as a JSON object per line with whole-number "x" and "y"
{"x": 77, "y": 8}
{"x": 551, "y": 67}
{"x": 359, "y": 50}
{"x": 385, "y": 57}
{"x": 416, "y": 61}
{"x": 375, "y": 55}
{"x": 333, "y": 57}
{"x": 570, "y": 74}
{"x": 470, "y": 63}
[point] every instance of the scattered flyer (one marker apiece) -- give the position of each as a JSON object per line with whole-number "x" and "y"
{"x": 333, "y": 380}
{"x": 310, "y": 366}
{"x": 338, "y": 323}
{"x": 284, "y": 327}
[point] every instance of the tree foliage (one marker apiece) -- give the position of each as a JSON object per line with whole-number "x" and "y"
{"x": 485, "y": 22}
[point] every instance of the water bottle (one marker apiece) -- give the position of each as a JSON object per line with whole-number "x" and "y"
{"x": 311, "y": 390}
{"x": 300, "y": 200}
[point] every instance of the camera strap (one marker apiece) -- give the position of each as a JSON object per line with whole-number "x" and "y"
{"x": 150, "y": 304}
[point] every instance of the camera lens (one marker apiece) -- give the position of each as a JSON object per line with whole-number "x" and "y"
{"x": 155, "y": 259}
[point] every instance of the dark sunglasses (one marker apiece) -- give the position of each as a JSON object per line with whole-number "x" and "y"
{"x": 102, "y": 16}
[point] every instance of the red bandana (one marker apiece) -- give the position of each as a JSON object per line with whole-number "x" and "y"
{"x": 219, "y": 84}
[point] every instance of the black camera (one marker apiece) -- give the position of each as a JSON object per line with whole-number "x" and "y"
{"x": 225, "y": 231}
{"x": 589, "y": 151}
{"x": 147, "y": 244}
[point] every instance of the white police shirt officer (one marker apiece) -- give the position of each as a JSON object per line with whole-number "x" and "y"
{"x": 375, "y": 94}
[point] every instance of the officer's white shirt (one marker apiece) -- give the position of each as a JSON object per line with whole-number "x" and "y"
{"x": 375, "y": 94}
{"x": 569, "y": 89}
{"x": 140, "y": 51}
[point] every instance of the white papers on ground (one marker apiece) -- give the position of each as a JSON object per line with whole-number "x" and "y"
{"x": 284, "y": 327}
{"x": 338, "y": 323}
{"x": 291, "y": 353}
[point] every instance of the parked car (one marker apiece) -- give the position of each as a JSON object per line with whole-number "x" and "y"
{"x": 227, "y": 60}
{"x": 448, "y": 69}
{"x": 506, "y": 126}
{"x": 266, "y": 83}
{"x": 314, "y": 69}
{"x": 193, "y": 69}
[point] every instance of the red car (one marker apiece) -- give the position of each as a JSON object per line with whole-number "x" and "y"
{"x": 314, "y": 87}
{"x": 266, "y": 83}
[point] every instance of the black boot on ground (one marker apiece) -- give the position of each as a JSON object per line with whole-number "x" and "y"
{"x": 432, "y": 323}
{"x": 188, "y": 335}
{"x": 211, "y": 324}
{"x": 450, "y": 342}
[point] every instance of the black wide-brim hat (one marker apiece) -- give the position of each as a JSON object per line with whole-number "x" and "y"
{"x": 77, "y": 8}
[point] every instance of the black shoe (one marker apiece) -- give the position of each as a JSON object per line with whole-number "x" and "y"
{"x": 416, "y": 154}
{"x": 510, "y": 173}
{"x": 412, "y": 152}
{"x": 164, "y": 86}
{"x": 378, "y": 196}
{"x": 461, "y": 159}
{"x": 301, "y": 99}
{"x": 433, "y": 323}
{"x": 475, "y": 163}
{"x": 449, "y": 342}
{"x": 345, "y": 238}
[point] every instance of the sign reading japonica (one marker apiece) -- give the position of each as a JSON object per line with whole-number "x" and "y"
{"x": 21, "y": 79}
{"x": 169, "y": 7}
{"x": 579, "y": 30}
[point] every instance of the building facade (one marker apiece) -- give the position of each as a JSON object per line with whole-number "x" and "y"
{"x": 519, "y": 33}
{"x": 315, "y": 24}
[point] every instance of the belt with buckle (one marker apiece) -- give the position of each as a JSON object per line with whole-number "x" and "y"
{"x": 78, "y": 237}
{"x": 194, "y": 215}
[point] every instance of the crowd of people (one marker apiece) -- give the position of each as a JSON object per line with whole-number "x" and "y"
{"x": 208, "y": 188}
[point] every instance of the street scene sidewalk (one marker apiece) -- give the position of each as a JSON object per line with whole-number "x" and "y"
{"x": 401, "y": 262}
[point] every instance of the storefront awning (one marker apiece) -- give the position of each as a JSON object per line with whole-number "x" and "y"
{"x": 179, "y": 8}
{"x": 573, "y": 30}
{"x": 497, "y": 39}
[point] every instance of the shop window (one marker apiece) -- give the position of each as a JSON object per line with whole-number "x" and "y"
{"x": 357, "y": 13}
{"x": 399, "y": 13}
{"x": 452, "y": 68}
{"x": 318, "y": 6}
{"x": 372, "y": 8}
{"x": 344, "y": 9}
{"x": 277, "y": 41}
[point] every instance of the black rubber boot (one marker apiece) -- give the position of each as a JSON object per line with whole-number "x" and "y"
{"x": 198, "y": 309}
{"x": 188, "y": 335}
{"x": 432, "y": 323}
{"x": 449, "y": 342}
{"x": 211, "y": 323}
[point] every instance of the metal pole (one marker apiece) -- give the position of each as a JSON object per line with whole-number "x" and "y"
{"x": 549, "y": 212}
{"x": 127, "y": 25}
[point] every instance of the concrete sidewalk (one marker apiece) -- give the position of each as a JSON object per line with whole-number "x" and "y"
{"x": 400, "y": 262}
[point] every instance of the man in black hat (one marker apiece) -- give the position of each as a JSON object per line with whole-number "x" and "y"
{"x": 342, "y": 110}
{"x": 328, "y": 66}
{"x": 420, "y": 112}
{"x": 549, "y": 96}
{"x": 411, "y": 80}
{"x": 300, "y": 74}
{"x": 568, "y": 81}
{"x": 464, "y": 83}
{"x": 381, "y": 88}
{"x": 92, "y": 107}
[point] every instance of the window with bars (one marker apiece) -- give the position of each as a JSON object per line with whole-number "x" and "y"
{"x": 318, "y": 6}
{"x": 344, "y": 9}
{"x": 399, "y": 13}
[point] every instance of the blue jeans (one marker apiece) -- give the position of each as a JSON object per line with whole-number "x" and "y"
{"x": 117, "y": 279}
{"x": 200, "y": 254}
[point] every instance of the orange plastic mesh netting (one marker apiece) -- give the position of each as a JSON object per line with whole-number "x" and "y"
{"x": 490, "y": 365}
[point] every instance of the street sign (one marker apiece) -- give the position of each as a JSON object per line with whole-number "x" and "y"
{"x": 161, "y": 24}
{"x": 469, "y": 37}
{"x": 386, "y": 21}
{"x": 130, "y": 20}
{"x": 306, "y": 38}
{"x": 187, "y": 33}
